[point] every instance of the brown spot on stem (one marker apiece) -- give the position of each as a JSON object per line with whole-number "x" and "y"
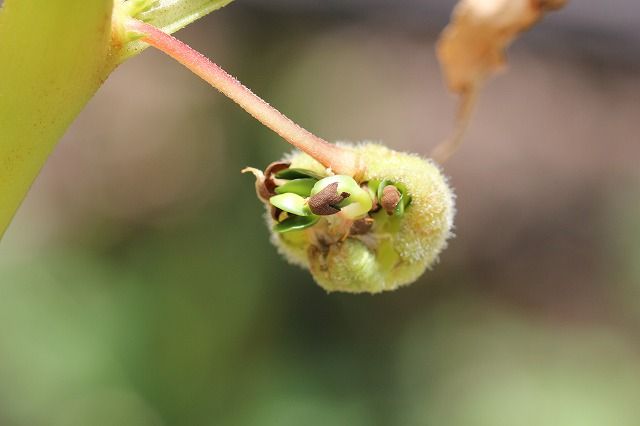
{"x": 325, "y": 202}
{"x": 390, "y": 198}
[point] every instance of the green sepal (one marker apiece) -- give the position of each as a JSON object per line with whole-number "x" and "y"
{"x": 381, "y": 186}
{"x": 406, "y": 198}
{"x": 372, "y": 186}
{"x": 293, "y": 173}
{"x": 296, "y": 223}
{"x": 291, "y": 203}
{"x": 301, "y": 187}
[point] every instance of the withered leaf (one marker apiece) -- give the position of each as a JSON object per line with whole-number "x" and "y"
{"x": 472, "y": 46}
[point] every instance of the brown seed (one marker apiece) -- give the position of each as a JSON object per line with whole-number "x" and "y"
{"x": 390, "y": 198}
{"x": 325, "y": 202}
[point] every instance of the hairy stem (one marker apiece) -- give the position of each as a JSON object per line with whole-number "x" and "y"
{"x": 340, "y": 160}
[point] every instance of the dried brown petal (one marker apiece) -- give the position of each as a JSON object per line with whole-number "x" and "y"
{"x": 324, "y": 202}
{"x": 390, "y": 198}
{"x": 276, "y": 167}
{"x": 271, "y": 170}
{"x": 261, "y": 190}
{"x": 265, "y": 186}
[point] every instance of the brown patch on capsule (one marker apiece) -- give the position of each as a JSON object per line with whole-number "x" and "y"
{"x": 390, "y": 198}
{"x": 361, "y": 226}
{"x": 324, "y": 202}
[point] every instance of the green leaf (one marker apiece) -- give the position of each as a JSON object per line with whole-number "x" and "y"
{"x": 171, "y": 16}
{"x": 296, "y": 223}
{"x": 54, "y": 55}
{"x": 298, "y": 174}
{"x": 301, "y": 187}
{"x": 291, "y": 203}
{"x": 399, "y": 210}
{"x": 381, "y": 186}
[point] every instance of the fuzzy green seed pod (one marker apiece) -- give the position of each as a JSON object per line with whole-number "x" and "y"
{"x": 393, "y": 250}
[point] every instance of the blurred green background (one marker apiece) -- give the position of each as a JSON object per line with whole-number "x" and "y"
{"x": 138, "y": 286}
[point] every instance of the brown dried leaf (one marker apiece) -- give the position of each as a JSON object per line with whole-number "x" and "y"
{"x": 471, "y": 49}
{"x": 472, "y": 46}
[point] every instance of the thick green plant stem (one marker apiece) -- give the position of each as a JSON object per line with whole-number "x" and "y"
{"x": 54, "y": 54}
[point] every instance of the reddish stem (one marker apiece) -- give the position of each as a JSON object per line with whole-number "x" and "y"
{"x": 340, "y": 160}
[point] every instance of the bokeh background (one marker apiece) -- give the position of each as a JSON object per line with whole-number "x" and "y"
{"x": 138, "y": 286}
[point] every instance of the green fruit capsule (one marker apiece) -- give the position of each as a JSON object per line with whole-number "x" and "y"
{"x": 395, "y": 249}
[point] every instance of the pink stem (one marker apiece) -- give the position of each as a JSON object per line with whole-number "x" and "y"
{"x": 340, "y": 160}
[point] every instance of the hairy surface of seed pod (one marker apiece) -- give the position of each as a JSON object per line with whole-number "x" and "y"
{"x": 397, "y": 249}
